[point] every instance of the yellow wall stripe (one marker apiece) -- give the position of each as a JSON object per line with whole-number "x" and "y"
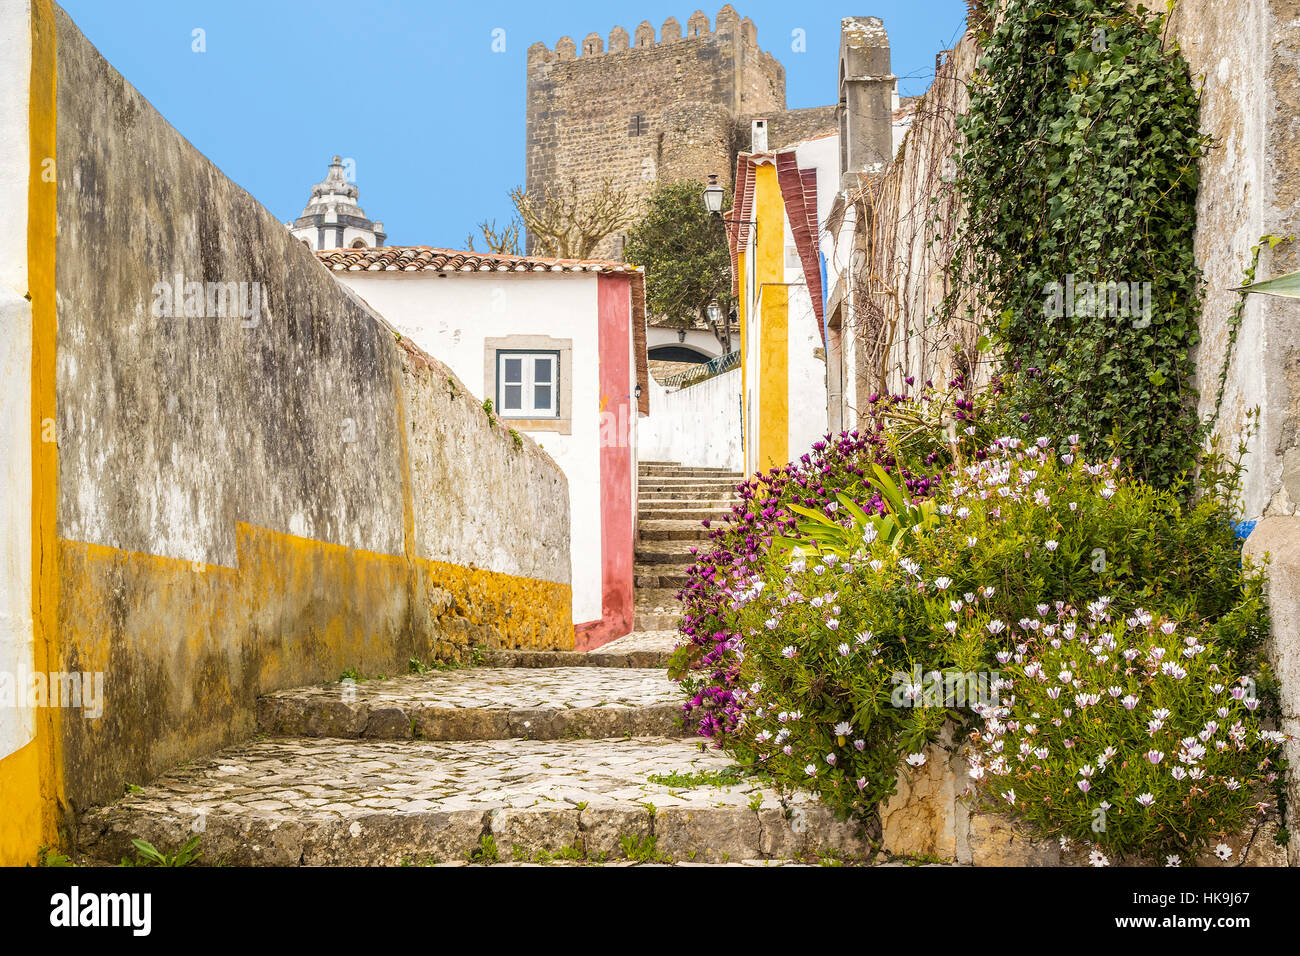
{"x": 41, "y": 226}
{"x": 774, "y": 377}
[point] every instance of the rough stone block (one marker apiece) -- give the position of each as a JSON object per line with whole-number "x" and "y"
{"x": 388, "y": 723}
{"x": 995, "y": 841}
{"x": 713, "y": 835}
{"x": 386, "y": 839}
{"x": 603, "y": 829}
{"x": 921, "y": 818}
{"x": 522, "y": 834}
{"x": 461, "y": 723}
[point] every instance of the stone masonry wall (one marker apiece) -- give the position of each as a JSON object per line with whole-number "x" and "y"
{"x": 794, "y": 126}
{"x": 1244, "y": 55}
{"x": 647, "y": 108}
{"x": 255, "y": 499}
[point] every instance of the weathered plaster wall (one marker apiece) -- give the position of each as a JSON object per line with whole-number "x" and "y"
{"x": 698, "y": 426}
{"x": 249, "y": 503}
{"x": 1246, "y": 56}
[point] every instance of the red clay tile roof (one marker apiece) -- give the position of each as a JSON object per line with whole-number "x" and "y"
{"x": 425, "y": 258}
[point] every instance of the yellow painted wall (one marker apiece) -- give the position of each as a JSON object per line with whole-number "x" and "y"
{"x": 186, "y": 647}
{"x": 22, "y": 804}
{"x": 774, "y": 378}
{"x": 742, "y": 313}
{"x": 30, "y": 778}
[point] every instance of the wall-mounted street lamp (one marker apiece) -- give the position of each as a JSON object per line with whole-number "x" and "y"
{"x": 713, "y": 196}
{"x": 636, "y": 392}
{"x": 715, "y": 314}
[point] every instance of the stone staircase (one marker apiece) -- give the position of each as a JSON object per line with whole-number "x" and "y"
{"x": 536, "y": 756}
{"x": 673, "y": 500}
{"x": 541, "y": 756}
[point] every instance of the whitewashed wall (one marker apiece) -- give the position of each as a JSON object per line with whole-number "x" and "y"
{"x": 17, "y": 725}
{"x": 706, "y": 343}
{"x": 451, "y": 317}
{"x": 698, "y": 426}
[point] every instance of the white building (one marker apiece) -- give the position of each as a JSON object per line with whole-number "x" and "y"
{"x": 780, "y": 250}
{"x": 559, "y": 347}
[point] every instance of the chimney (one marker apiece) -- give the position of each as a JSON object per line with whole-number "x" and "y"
{"x": 758, "y": 136}
{"x": 867, "y": 97}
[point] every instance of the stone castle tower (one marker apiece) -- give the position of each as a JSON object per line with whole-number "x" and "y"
{"x": 649, "y": 109}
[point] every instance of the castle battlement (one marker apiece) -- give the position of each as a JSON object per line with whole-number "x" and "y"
{"x": 636, "y": 108}
{"x": 728, "y": 21}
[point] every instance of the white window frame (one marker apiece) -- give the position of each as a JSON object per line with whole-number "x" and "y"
{"x": 528, "y": 383}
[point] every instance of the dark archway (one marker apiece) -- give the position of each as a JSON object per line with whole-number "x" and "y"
{"x": 678, "y": 353}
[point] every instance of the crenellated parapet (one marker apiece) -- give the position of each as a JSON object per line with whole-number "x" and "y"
{"x": 727, "y": 23}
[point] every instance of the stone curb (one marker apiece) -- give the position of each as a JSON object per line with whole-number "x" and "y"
{"x": 677, "y": 835}
{"x": 286, "y": 715}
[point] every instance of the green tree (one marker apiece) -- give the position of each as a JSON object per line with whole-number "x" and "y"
{"x": 686, "y": 258}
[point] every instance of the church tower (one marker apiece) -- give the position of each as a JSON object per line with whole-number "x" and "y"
{"x": 332, "y": 219}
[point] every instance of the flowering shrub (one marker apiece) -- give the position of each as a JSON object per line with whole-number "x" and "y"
{"x": 901, "y": 435}
{"x": 1131, "y": 733}
{"x": 832, "y": 667}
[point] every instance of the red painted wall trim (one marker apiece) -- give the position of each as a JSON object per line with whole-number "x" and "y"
{"x": 617, "y": 462}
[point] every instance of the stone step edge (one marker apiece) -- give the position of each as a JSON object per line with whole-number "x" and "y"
{"x": 597, "y": 658}
{"x": 394, "y": 837}
{"x": 285, "y": 715}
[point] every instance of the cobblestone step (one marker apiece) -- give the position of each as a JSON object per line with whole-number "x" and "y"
{"x": 482, "y": 703}
{"x": 657, "y": 609}
{"x": 652, "y": 485}
{"x": 689, "y": 511}
{"x": 665, "y": 552}
{"x": 651, "y": 473}
{"x": 657, "y": 599}
{"x": 717, "y": 497}
{"x": 660, "y": 576}
{"x": 679, "y": 530}
{"x": 677, "y": 466}
{"x": 290, "y": 802}
{"x": 647, "y": 647}
{"x": 657, "y": 620}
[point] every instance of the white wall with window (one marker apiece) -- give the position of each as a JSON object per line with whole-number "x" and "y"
{"x": 481, "y": 324}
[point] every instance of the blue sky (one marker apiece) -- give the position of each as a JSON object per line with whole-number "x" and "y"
{"x": 412, "y": 90}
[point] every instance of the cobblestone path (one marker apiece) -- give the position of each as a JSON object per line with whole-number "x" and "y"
{"x": 539, "y": 756}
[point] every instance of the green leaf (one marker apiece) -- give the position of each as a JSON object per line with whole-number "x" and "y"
{"x": 886, "y": 486}
{"x": 810, "y": 513}
{"x": 859, "y": 516}
{"x": 1285, "y": 285}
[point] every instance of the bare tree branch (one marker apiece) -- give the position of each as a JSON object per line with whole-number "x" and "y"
{"x": 568, "y": 222}
{"x": 503, "y": 242}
